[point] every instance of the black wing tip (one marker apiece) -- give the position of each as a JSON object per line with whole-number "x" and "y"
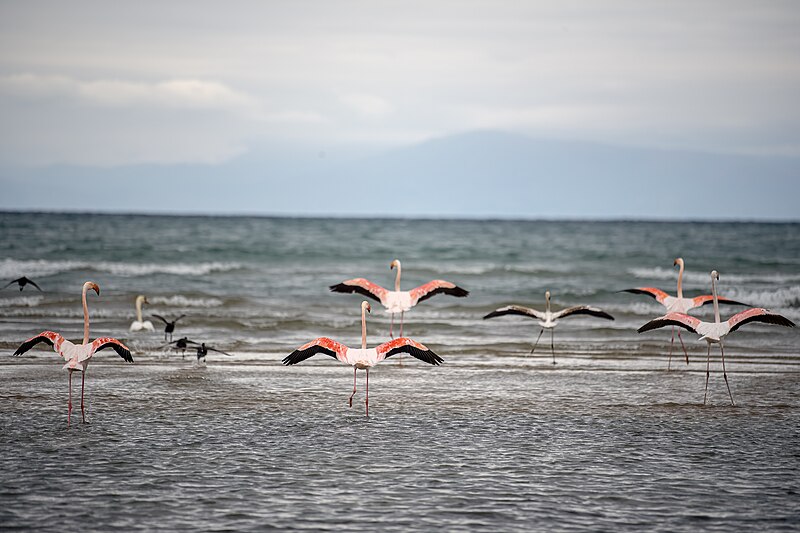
{"x": 458, "y": 292}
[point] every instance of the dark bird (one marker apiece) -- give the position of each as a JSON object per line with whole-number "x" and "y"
{"x": 203, "y": 350}
{"x": 169, "y": 327}
{"x": 22, "y": 282}
{"x": 181, "y": 344}
{"x": 549, "y": 319}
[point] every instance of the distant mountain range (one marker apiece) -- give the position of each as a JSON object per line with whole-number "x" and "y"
{"x": 479, "y": 174}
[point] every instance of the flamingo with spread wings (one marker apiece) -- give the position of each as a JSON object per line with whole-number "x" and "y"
{"x": 363, "y": 358}
{"x": 679, "y": 304}
{"x": 77, "y": 356}
{"x": 398, "y": 301}
{"x": 549, "y": 319}
{"x": 714, "y": 332}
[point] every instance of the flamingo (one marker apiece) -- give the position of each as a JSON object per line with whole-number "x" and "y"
{"x": 398, "y": 301}
{"x": 363, "y": 358}
{"x": 714, "y": 332}
{"x": 22, "y": 282}
{"x": 77, "y": 356}
{"x": 138, "y": 324}
{"x": 679, "y": 304}
{"x": 548, "y": 319}
{"x": 203, "y": 350}
{"x": 169, "y": 326}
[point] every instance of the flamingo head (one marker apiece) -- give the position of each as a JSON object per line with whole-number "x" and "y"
{"x": 678, "y": 262}
{"x": 366, "y": 307}
{"x": 547, "y": 295}
{"x": 394, "y": 264}
{"x": 715, "y": 275}
{"x": 91, "y": 285}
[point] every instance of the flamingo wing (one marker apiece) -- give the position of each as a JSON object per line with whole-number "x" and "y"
{"x": 50, "y": 337}
{"x": 361, "y": 286}
{"x": 672, "y": 319}
{"x": 320, "y": 345}
{"x": 708, "y": 298}
{"x": 516, "y": 310}
{"x": 101, "y": 343}
{"x": 582, "y": 310}
{"x": 437, "y": 286}
{"x": 411, "y": 347}
{"x": 758, "y": 314}
{"x": 658, "y": 294}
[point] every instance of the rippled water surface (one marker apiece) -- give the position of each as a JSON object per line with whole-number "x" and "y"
{"x": 494, "y": 439}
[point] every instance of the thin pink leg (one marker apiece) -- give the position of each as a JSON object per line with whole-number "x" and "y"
{"x": 402, "y": 315}
{"x": 724, "y": 374}
{"x": 354, "y": 387}
{"x": 391, "y": 328}
{"x": 708, "y": 365}
{"x": 366, "y": 399}
{"x": 83, "y": 384}
{"x": 685, "y": 353}
{"x": 552, "y": 348}
{"x": 69, "y": 402}
{"x": 537, "y": 341}
{"x": 671, "y": 343}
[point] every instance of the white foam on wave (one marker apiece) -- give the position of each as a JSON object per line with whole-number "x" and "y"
{"x": 704, "y": 278}
{"x": 787, "y": 297}
{"x": 21, "y": 301}
{"x": 183, "y": 301}
{"x": 13, "y": 268}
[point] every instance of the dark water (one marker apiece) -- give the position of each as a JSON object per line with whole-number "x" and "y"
{"x": 607, "y": 439}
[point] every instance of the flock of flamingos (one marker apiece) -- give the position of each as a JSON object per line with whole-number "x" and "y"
{"x": 77, "y": 356}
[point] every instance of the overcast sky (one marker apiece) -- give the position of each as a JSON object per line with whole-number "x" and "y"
{"x": 112, "y": 84}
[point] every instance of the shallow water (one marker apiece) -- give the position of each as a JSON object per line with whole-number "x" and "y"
{"x": 494, "y": 439}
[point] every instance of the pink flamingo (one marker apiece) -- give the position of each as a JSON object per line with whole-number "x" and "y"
{"x": 363, "y": 358}
{"x": 679, "y": 304}
{"x": 714, "y": 332}
{"x": 398, "y": 301}
{"x": 77, "y": 356}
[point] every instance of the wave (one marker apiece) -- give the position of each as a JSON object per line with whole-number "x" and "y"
{"x": 183, "y": 301}
{"x": 12, "y": 268}
{"x": 703, "y": 278}
{"x": 21, "y": 301}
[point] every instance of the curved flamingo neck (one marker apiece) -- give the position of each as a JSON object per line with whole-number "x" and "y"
{"x": 716, "y": 300}
{"x": 363, "y": 328}
{"x": 85, "y": 316}
{"x": 547, "y": 302}
{"x": 397, "y": 278}
{"x": 139, "y": 309}
{"x": 680, "y": 280}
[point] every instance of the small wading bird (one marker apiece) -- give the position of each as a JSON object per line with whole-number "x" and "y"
{"x": 169, "y": 327}
{"x": 398, "y": 301}
{"x": 22, "y": 282}
{"x": 139, "y": 324}
{"x": 363, "y": 358}
{"x": 548, "y": 319}
{"x": 714, "y": 332}
{"x": 77, "y": 355}
{"x": 203, "y": 350}
{"x": 180, "y": 344}
{"x": 678, "y": 304}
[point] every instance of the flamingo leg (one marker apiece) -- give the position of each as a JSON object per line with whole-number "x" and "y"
{"x": 366, "y": 399}
{"x": 708, "y": 365}
{"x": 537, "y": 341}
{"x": 83, "y": 384}
{"x": 552, "y": 348}
{"x": 69, "y": 402}
{"x": 671, "y": 343}
{"x": 685, "y": 353}
{"x": 391, "y": 328}
{"x": 724, "y": 374}
{"x": 354, "y": 387}
{"x": 402, "y": 316}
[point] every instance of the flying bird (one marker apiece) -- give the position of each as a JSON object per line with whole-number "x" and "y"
{"x": 181, "y": 344}
{"x": 363, "y": 358}
{"x": 714, "y": 332}
{"x": 548, "y": 319}
{"x": 203, "y": 350}
{"x": 77, "y": 356}
{"x": 398, "y": 301}
{"x": 22, "y": 282}
{"x": 679, "y": 304}
{"x": 139, "y": 324}
{"x": 169, "y": 326}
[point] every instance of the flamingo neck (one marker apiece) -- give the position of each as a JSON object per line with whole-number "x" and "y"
{"x": 716, "y": 300}
{"x": 547, "y": 304}
{"x": 139, "y": 309}
{"x": 397, "y": 278}
{"x": 363, "y": 328}
{"x": 85, "y": 317}
{"x": 680, "y": 280}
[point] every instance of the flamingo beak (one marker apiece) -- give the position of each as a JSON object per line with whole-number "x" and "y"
{"x": 94, "y": 287}
{"x": 393, "y": 264}
{"x": 715, "y": 275}
{"x": 368, "y": 308}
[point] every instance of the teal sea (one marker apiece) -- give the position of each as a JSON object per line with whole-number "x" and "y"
{"x": 495, "y": 439}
